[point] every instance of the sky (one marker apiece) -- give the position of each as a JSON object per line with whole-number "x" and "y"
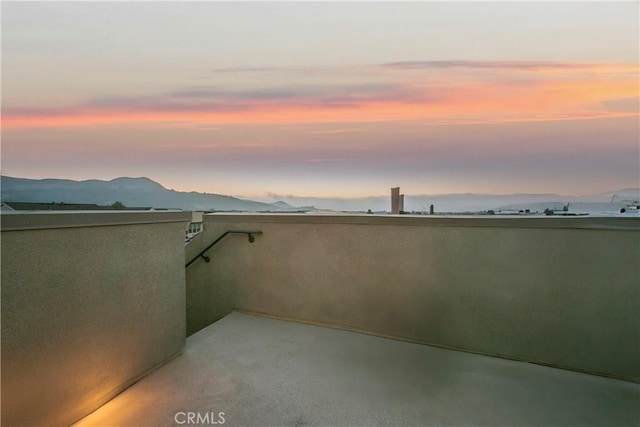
{"x": 325, "y": 99}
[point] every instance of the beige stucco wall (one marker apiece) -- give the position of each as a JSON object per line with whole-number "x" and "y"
{"x": 557, "y": 291}
{"x": 90, "y": 303}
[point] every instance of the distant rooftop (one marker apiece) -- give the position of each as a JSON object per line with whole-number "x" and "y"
{"x": 53, "y": 206}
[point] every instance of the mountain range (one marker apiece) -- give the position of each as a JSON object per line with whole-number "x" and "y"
{"x": 132, "y": 192}
{"x": 144, "y": 192}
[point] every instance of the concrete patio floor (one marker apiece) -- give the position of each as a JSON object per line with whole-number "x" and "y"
{"x": 265, "y": 372}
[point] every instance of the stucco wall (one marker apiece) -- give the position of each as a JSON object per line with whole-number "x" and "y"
{"x": 557, "y": 291}
{"x": 90, "y": 303}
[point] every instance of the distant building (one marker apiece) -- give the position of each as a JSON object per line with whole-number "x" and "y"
{"x": 195, "y": 226}
{"x": 401, "y": 203}
{"x": 6, "y": 207}
{"x": 38, "y": 206}
{"x": 52, "y": 206}
{"x": 395, "y": 200}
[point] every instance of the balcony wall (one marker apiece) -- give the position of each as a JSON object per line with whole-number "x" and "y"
{"x": 557, "y": 291}
{"x": 90, "y": 303}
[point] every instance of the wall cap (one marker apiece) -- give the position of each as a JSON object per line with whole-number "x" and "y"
{"x": 16, "y": 221}
{"x": 502, "y": 221}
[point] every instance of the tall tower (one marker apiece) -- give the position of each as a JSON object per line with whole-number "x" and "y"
{"x": 395, "y": 200}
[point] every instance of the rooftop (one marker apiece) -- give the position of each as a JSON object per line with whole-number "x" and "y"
{"x": 273, "y": 320}
{"x": 262, "y": 371}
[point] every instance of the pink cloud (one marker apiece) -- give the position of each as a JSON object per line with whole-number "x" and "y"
{"x": 513, "y": 91}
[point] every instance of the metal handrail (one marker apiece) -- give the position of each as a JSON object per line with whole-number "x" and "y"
{"x": 249, "y": 234}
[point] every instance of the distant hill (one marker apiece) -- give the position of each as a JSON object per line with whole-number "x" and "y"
{"x": 129, "y": 191}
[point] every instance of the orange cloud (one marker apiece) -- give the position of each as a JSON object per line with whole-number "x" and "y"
{"x": 525, "y": 92}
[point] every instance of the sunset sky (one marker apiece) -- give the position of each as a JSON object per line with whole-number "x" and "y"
{"x": 325, "y": 99}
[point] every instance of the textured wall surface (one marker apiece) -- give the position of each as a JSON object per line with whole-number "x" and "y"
{"x": 89, "y": 305}
{"x": 557, "y": 291}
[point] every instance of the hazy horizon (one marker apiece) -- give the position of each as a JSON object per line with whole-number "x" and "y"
{"x": 138, "y": 191}
{"x": 273, "y": 197}
{"x": 340, "y": 100}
